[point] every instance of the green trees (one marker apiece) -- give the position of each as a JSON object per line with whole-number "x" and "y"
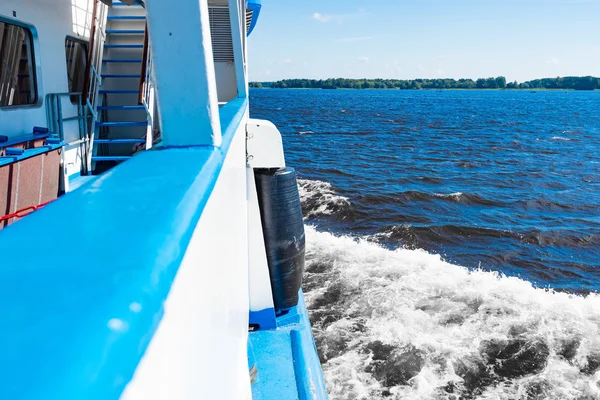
{"x": 569, "y": 82}
{"x": 501, "y": 82}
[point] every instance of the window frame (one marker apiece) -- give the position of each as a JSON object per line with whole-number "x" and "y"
{"x": 86, "y": 45}
{"x": 31, "y": 34}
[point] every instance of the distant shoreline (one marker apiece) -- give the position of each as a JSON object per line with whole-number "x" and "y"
{"x": 437, "y": 90}
{"x": 584, "y": 83}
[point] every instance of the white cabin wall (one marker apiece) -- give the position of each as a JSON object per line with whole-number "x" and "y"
{"x": 226, "y": 82}
{"x": 52, "y": 22}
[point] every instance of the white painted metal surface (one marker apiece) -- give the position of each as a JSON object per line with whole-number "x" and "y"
{"x": 261, "y": 297}
{"x": 199, "y": 350}
{"x": 238, "y": 30}
{"x": 187, "y": 99}
{"x": 51, "y": 22}
{"x": 264, "y": 145}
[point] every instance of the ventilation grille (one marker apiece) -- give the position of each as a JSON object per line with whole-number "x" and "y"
{"x": 249, "y": 14}
{"x": 220, "y": 32}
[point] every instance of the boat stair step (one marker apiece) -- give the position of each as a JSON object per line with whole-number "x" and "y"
{"x": 123, "y": 46}
{"x": 126, "y": 17}
{"x": 111, "y": 60}
{"x": 110, "y": 158}
{"x": 104, "y": 91}
{"x": 116, "y": 124}
{"x": 120, "y": 4}
{"x": 125, "y": 31}
{"x": 119, "y": 141}
{"x": 118, "y": 108}
{"x": 121, "y": 76}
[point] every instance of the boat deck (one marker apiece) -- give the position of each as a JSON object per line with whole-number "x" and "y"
{"x": 286, "y": 359}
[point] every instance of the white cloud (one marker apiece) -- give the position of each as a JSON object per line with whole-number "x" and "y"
{"x": 553, "y": 61}
{"x": 355, "y": 39}
{"x": 340, "y": 18}
{"x": 421, "y": 68}
{"x": 322, "y": 18}
{"x": 268, "y": 72}
{"x": 288, "y": 61}
{"x": 364, "y": 59}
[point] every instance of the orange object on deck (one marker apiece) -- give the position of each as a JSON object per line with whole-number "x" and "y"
{"x": 24, "y": 211}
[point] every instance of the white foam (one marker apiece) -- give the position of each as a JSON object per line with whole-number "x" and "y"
{"x": 560, "y": 138}
{"x": 319, "y": 198}
{"x": 407, "y": 297}
{"x": 456, "y": 196}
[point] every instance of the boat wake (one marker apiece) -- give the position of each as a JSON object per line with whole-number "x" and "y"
{"x": 319, "y": 198}
{"x": 405, "y": 324}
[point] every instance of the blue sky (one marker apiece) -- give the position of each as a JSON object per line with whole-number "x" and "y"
{"x": 520, "y": 39}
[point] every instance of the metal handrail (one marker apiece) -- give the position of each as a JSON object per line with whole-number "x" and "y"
{"x": 144, "y": 72}
{"x": 146, "y": 88}
{"x": 56, "y": 119}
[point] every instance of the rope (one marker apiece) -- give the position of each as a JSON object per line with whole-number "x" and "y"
{"x": 24, "y": 211}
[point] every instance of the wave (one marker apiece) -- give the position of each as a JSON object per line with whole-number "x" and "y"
{"x": 412, "y": 236}
{"x": 457, "y": 197}
{"x": 318, "y": 198}
{"x": 560, "y": 138}
{"x": 405, "y": 324}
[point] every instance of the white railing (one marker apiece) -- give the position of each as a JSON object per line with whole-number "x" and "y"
{"x": 94, "y": 66}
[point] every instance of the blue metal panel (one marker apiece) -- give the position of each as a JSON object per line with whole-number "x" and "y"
{"x": 255, "y": 6}
{"x": 123, "y": 46}
{"x": 125, "y": 124}
{"x": 119, "y": 141}
{"x": 5, "y": 141}
{"x": 127, "y": 17}
{"x": 28, "y": 153}
{"x": 125, "y": 31}
{"x": 265, "y": 319}
{"x": 76, "y": 325}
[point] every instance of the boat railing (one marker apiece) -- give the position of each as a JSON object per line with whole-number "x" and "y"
{"x": 93, "y": 80}
{"x": 146, "y": 96}
{"x": 102, "y": 318}
{"x": 57, "y": 119}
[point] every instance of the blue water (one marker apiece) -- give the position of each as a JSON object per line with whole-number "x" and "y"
{"x": 452, "y": 239}
{"x": 503, "y": 180}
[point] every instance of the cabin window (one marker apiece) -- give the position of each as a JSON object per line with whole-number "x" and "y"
{"x": 77, "y": 54}
{"x": 17, "y": 72}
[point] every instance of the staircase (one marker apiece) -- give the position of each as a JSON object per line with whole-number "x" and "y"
{"x": 123, "y": 125}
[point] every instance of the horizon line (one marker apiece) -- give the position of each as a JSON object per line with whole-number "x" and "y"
{"x": 437, "y": 78}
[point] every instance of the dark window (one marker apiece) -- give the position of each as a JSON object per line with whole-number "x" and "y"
{"x": 76, "y": 65}
{"x": 17, "y": 72}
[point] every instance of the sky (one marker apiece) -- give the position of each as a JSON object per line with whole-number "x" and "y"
{"x": 408, "y": 39}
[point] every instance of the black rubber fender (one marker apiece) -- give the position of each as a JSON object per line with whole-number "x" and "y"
{"x": 283, "y": 230}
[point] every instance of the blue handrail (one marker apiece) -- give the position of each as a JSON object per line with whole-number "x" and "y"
{"x": 70, "y": 330}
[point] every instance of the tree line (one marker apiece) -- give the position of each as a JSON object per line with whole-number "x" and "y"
{"x": 569, "y": 82}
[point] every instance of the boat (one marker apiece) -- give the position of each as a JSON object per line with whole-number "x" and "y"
{"x": 151, "y": 235}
